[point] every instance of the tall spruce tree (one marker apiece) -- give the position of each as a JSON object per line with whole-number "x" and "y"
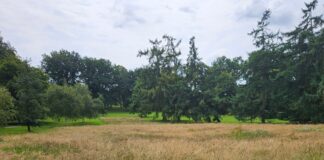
{"x": 147, "y": 82}
{"x": 195, "y": 72}
{"x": 261, "y": 69}
{"x": 304, "y": 52}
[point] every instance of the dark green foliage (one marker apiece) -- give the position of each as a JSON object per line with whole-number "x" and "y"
{"x": 124, "y": 83}
{"x": 63, "y": 102}
{"x": 100, "y": 77}
{"x": 90, "y": 107}
{"x": 10, "y": 66}
{"x": 175, "y": 96}
{"x": 283, "y": 78}
{"x": 220, "y": 86}
{"x": 193, "y": 90}
{"x": 97, "y": 107}
{"x": 30, "y": 87}
{"x": 195, "y": 73}
{"x": 142, "y": 94}
{"x": 6, "y": 49}
{"x": 150, "y": 95}
{"x": 161, "y": 85}
{"x": 10, "y": 63}
{"x": 72, "y": 102}
{"x": 305, "y": 58}
{"x": 7, "y": 108}
{"x": 260, "y": 72}
{"x": 114, "y": 83}
{"x": 246, "y": 104}
{"x": 62, "y": 66}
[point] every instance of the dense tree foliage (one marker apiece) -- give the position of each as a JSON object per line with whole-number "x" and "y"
{"x": 195, "y": 73}
{"x": 123, "y": 86}
{"x": 261, "y": 71}
{"x": 99, "y": 75}
{"x": 62, "y": 66}
{"x": 221, "y": 85}
{"x": 282, "y": 79}
{"x": 113, "y": 82}
{"x": 30, "y": 87}
{"x": 304, "y": 55}
{"x": 72, "y": 102}
{"x": 10, "y": 63}
{"x": 7, "y": 108}
{"x": 141, "y": 99}
{"x": 161, "y": 84}
{"x": 193, "y": 89}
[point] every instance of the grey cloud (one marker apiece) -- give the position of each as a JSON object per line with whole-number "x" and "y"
{"x": 168, "y": 7}
{"x": 283, "y": 19}
{"x": 129, "y": 15}
{"x": 128, "y": 21}
{"x": 253, "y": 10}
{"x": 187, "y": 10}
{"x": 283, "y": 12}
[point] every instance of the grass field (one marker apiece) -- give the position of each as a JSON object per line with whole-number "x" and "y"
{"x": 123, "y": 136}
{"x": 49, "y": 124}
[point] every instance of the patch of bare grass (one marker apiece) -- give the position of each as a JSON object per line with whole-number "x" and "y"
{"x": 240, "y": 134}
{"x": 47, "y": 148}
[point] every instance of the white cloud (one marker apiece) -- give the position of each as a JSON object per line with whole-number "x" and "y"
{"x": 116, "y": 30}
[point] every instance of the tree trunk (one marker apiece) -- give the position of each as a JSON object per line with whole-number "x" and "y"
{"x": 195, "y": 118}
{"x": 262, "y": 120}
{"x": 177, "y": 118}
{"x": 263, "y": 107}
{"x": 28, "y": 127}
{"x": 164, "y": 118}
{"x": 207, "y": 119}
{"x": 156, "y": 115}
{"x": 217, "y": 119}
{"x": 121, "y": 102}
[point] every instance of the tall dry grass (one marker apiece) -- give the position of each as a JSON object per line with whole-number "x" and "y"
{"x": 169, "y": 141}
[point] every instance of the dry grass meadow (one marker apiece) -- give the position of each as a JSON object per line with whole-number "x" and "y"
{"x": 127, "y": 140}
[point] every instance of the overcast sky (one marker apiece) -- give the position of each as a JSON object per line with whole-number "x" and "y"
{"x": 118, "y": 29}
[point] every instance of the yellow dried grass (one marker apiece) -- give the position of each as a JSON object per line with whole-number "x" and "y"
{"x": 171, "y": 141}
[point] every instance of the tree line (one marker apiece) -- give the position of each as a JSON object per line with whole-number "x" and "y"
{"x": 283, "y": 79}
{"x": 66, "y": 86}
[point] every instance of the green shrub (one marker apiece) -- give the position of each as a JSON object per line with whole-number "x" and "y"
{"x": 7, "y": 109}
{"x": 72, "y": 102}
